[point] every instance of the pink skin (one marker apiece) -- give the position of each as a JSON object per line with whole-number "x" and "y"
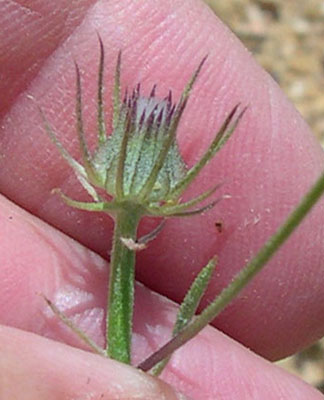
{"x": 266, "y": 167}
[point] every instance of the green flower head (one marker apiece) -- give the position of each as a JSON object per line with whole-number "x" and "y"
{"x": 139, "y": 164}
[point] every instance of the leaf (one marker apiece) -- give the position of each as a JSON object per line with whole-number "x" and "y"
{"x": 189, "y": 305}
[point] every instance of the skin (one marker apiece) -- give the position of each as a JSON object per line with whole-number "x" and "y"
{"x": 266, "y": 167}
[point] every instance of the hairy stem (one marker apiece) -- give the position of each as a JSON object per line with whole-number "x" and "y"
{"x": 242, "y": 278}
{"x": 121, "y": 288}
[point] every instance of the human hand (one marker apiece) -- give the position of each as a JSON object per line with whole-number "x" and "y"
{"x": 267, "y": 166}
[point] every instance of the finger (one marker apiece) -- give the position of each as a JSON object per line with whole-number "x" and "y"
{"x": 210, "y": 366}
{"x": 30, "y": 32}
{"x": 37, "y": 368}
{"x": 268, "y": 165}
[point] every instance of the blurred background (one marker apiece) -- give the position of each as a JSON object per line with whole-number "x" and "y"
{"x": 287, "y": 39}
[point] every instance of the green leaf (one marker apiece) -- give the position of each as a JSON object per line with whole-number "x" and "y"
{"x": 189, "y": 305}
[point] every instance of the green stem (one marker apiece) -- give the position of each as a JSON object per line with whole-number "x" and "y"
{"x": 121, "y": 288}
{"x": 242, "y": 278}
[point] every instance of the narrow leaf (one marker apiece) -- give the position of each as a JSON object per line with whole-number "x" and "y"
{"x": 171, "y": 210}
{"x": 78, "y": 110}
{"x": 101, "y": 120}
{"x": 116, "y": 97}
{"x": 77, "y": 168}
{"x": 190, "y": 213}
{"x": 151, "y": 235}
{"x": 220, "y": 139}
{"x": 70, "y": 324}
{"x": 189, "y": 305}
{"x": 243, "y": 278}
{"x": 98, "y": 206}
